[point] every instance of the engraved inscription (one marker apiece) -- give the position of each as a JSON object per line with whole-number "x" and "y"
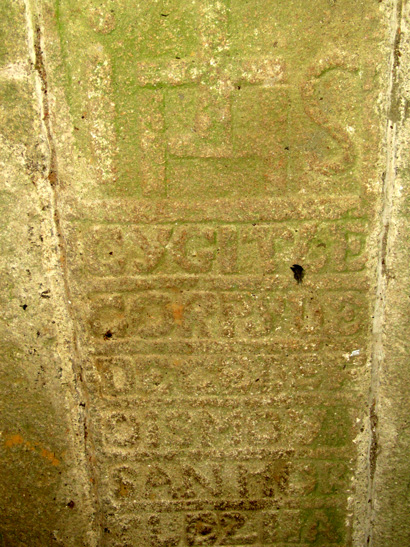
{"x": 217, "y": 144}
{"x": 257, "y": 248}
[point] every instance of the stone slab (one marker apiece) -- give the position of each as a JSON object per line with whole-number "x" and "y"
{"x": 217, "y": 145}
{"x": 212, "y": 146}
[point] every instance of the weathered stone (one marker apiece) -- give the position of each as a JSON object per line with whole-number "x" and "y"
{"x": 388, "y": 493}
{"x": 43, "y": 481}
{"x": 208, "y": 228}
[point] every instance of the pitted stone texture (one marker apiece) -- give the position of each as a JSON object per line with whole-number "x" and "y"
{"x": 40, "y": 482}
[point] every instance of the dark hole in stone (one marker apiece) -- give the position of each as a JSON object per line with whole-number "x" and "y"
{"x": 286, "y": 147}
{"x": 24, "y": 306}
{"x": 108, "y": 335}
{"x": 298, "y": 272}
{"x": 110, "y": 253}
{"x": 70, "y": 504}
{"x": 238, "y": 87}
{"x": 106, "y": 530}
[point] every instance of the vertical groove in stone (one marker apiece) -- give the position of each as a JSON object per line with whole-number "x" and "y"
{"x": 70, "y": 352}
{"x": 385, "y": 219}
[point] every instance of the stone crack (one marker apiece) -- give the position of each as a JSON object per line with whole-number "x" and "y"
{"x": 48, "y": 193}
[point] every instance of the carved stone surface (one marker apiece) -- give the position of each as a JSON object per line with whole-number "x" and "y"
{"x": 225, "y": 143}
{"x": 213, "y": 182}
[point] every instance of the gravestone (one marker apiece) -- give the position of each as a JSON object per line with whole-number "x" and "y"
{"x": 224, "y": 142}
{"x": 212, "y": 185}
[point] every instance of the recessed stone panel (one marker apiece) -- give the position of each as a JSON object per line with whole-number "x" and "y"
{"x": 217, "y": 231}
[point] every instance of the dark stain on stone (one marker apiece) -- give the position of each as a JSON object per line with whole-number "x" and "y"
{"x": 373, "y": 443}
{"x": 394, "y": 113}
{"x": 39, "y": 66}
{"x": 52, "y": 177}
{"x": 384, "y": 248}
